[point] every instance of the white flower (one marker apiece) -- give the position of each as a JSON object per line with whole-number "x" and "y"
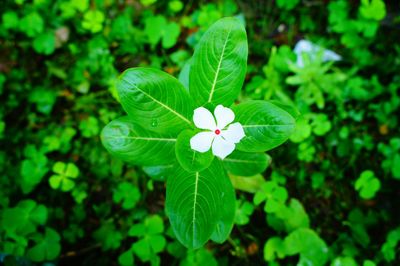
{"x": 221, "y": 137}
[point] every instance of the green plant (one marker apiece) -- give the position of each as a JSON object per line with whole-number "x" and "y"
{"x": 200, "y": 197}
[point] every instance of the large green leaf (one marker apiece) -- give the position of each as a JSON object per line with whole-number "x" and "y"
{"x": 155, "y": 100}
{"x": 189, "y": 159}
{"x": 226, "y": 213}
{"x": 219, "y": 63}
{"x": 195, "y": 201}
{"x": 265, "y": 125}
{"x": 129, "y": 142}
{"x": 246, "y": 163}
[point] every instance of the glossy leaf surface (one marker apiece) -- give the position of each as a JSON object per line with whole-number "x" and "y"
{"x": 246, "y": 163}
{"x": 265, "y": 125}
{"x": 195, "y": 202}
{"x": 219, "y": 63}
{"x": 129, "y": 142}
{"x": 155, "y": 100}
{"x": 188, "y": 158}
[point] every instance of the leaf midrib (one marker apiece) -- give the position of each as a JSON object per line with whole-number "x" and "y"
{"x": 242, "y": 161}
{"x": 219, "y": 67}
{"x": 255, "y": 126}
{"x": 194, "y": 207}
{"x": 160, "y": 103}
{"x": 142, "y": 138}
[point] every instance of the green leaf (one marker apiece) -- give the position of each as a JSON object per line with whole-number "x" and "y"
{"x": 158, "y": 172}
{"x": 47, "y": 247}
{"x": 152, "y": 242}
{"x": 274, "y": 195}
{"x": 189, "y": 159}
{"x": 156, "y": 100}
{"x": 219, "y": 63}
{"x": 109, "y": 236}
{"x": 10, "y": 20}
{"x": 312, "y": 249}
{"x": 32, "y": 24}
{"x": 93, "y": 21}
{"x": 158, "y": 28}
{"x": 396, "y": 166}
{"x": 274, "y": 247}
{"x": 248, "y": 184}
{"x": 227, "y": 212}
{"x": 24, "y": 218}
{"x": 294, "y": 216}
{"x": 266, "y": 126}
{"x": 199, "y": 257}
{"x": 128, "y": 194}
{"x": 367, "y": 184}
{"x": 194, "y": 202}
{"x": 245, "y": 163}
{"x": 126, "y": 258}
{"x": 373, "y": 9}
{"x": 129, "y": 142}
{"x": 45, "y": 43}
{"x": 244, "y": 210}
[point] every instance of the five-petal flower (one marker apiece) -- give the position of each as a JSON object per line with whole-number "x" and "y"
{"x": 221, "y": 137}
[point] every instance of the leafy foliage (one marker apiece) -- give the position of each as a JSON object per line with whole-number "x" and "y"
{"x": 328, "y": 196}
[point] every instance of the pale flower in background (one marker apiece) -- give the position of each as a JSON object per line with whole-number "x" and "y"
{"x": 307, "y": 47}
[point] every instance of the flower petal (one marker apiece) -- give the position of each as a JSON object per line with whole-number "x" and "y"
{"x": 201, "y": 142}
{"x": 224, "y": 116}
{"x": 222, "y": 148}
{"x": 234, "y": 133}
{"x": 204, "y": 119}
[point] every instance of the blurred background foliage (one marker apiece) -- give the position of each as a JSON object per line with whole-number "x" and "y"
{"x": 329, "y": 197}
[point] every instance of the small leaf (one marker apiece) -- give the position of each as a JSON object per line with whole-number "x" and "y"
{"x": 274, "y": 247}
{"x": 219, "y": 63}
{"x": 47, "y": 247}
{"x": 131, "y": 143}
{"x": 367, "y": 184}
{"x": 45, "y": 43}
{"x": 312, "y": 249}
{"x": 126, "y": 258}
{"x": 156, "y": 100}
{"x": 189, "y": 159}
{"x": 244, "y": 210}
{"x": 266, "y": 126}
{"x": 246, "y": 164}
{"x": 128, "y": 194}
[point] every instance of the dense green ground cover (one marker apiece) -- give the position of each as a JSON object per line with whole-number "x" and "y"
{"x": 330, "y": 195}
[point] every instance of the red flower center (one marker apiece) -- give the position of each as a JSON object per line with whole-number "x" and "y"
{"x": 217, "y": 131}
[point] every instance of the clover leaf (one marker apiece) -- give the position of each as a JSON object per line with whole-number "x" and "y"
{"x": 158, "y": 28}
{"x": 128, "y": 194}
{"x": 170, "y": 126}
{"x": 47, "y": 246}
{"x": 312, "y": 249}
{"x": 65, "y": 173}
{"x": 24, "y": 218}
{"x": 244, "y": 209}
{"x": 373, "y": 9}
{"x": 33, "y": 169}
{"x": 32, "y": 24}
{"x": 367, "y": 184}
{"x": 274, "y": 195}
{"x": 151, "y": 239}
{"x": 109, "y": 236}
{"x": 93, "y": 21}
{"x": 45, "y": 43}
